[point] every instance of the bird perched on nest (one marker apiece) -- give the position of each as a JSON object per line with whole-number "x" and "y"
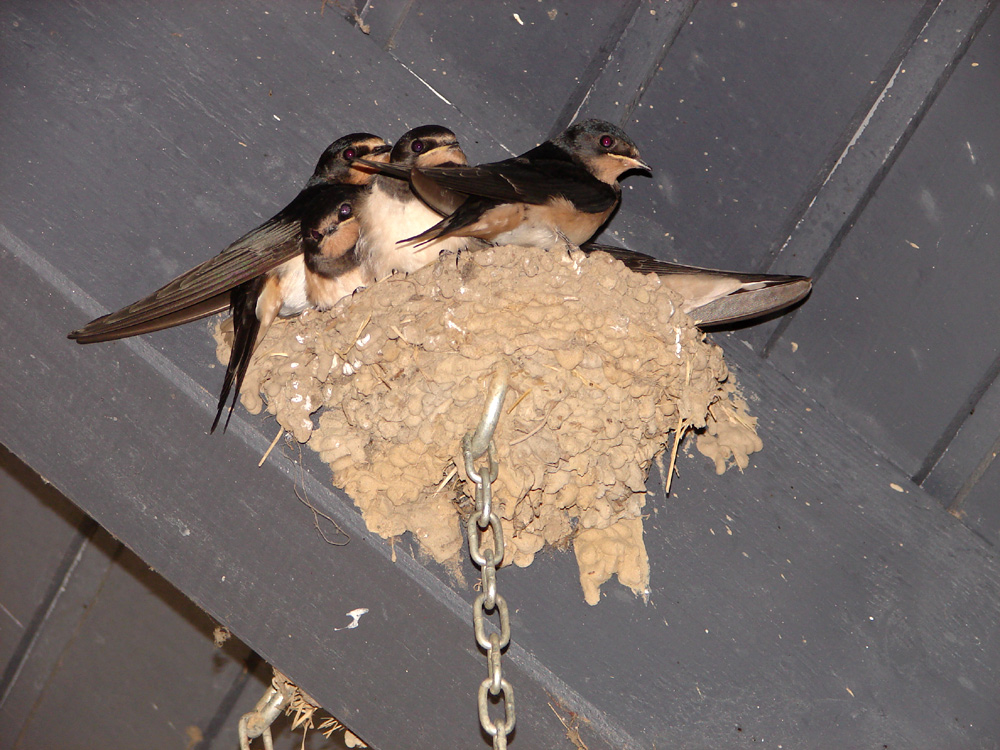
{"x": 562, "y": 191}
{"x": 301, "y": 257}
{"x": 392, "y": 212}
{"x": 349, "y": 227}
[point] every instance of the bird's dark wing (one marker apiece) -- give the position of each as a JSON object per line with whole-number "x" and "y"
{"x": 255, "y": 253}
{"x": 442, "y": 199}
{"x": 522, "y": 180}
{"x": 714, "y": 297}
{"x": 246, "y": 324}
{"x": 184, "y": 299}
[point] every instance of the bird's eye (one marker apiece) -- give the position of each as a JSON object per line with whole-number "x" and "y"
{"x": 350, "y": 153}
{"x": 417, "y": 146}
{"x": 607, "y": 141}
{"x": 345, "y": 211}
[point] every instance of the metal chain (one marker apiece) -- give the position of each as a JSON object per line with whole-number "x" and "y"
{"x": 258, "y": 722}
{"x": 474, "y": 445}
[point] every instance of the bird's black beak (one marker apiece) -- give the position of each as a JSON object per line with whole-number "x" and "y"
{"x": 638, "y": 165}
{"x": 368, "y": 162}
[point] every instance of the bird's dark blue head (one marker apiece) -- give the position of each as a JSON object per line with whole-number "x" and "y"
{"x": 335, "y": 165}
{"x": 432, "y": 145}
{"x": 604, "y": 148}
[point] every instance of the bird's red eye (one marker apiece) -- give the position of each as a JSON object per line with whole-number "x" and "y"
{"x": 417, "y": 146}
{"x": 349, "y": 153}
{"x": 607, "y": 141}
{"x": 345, "y": 211}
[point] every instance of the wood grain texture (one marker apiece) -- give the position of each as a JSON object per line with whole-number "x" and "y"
{"x": 886, "y": 336}
{"x": 750, "y": 106}
{"x": 511, "y": 67}
{"x": 29, "y": 511}
{"x": 132, "y": 669}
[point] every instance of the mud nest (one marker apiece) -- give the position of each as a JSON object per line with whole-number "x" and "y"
{"x": 603, "y": 367}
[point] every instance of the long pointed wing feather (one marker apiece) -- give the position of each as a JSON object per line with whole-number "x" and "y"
{"x": 714, "y": 297}
{"x": 258, "y": 251}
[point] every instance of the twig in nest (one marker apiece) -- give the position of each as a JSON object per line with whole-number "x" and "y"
{"x": 586, "y": 382}
{"x": 445, "y": 481}
{"x": 363, "y": 326}
{"x": 328, "y": 726}
{"x": 519, "y": 400}
{"x": 399, "y": 334}
{"x": 572, "y": 372}
{"x": 357, "y": 336}
{"x": 535, "y": 431}
{"x": 380, "y": 374}
{"x": 270, "y": 448}
{"x": 736, "y": 416}
{"x": 679, "y": 431}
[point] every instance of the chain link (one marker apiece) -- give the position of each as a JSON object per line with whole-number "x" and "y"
{"x": 258, "y": 722}
{"x": 474, "y": 445}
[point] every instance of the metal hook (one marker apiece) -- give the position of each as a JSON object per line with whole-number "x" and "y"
{"x": 475, "y": 443}
{"x": 258, "y": 722}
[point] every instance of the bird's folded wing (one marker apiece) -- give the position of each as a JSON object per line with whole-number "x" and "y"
{"x": 713, "y": 297}
{"x": 520, "y": 181}
{"x": 201, "y": 289}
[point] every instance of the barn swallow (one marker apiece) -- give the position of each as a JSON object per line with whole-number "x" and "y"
{"x": 392, "y": 212}
{"x": 560, "y": 192}
{"x": 714, "y": 298}
{"x": 302, "y": 257}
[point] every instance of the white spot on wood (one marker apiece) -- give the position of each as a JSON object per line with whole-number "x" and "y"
{"x": 355, "y": 615}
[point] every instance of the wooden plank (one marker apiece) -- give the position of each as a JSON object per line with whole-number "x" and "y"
{"x": 141, "y": 666}
{"x": 615, "y": 92}
{"x": 189, "y": 513}
{"x": 169, "y": 167}
{"x": 753, "y": 103}
{"x": 779, "y": 592}
{"x": 55, "y": 576}
{"x": 886, "y": 334}
{"x": 917, "y": 75}
{"x": 53, "y": 630}
{"x": 38, "y": 541}
{"x": 976, "y": 501}
{"x": 510, "y": 67}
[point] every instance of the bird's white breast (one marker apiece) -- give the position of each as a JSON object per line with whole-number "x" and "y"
{"x": 387, "y": 219}
{"x": 292, "y": 285}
